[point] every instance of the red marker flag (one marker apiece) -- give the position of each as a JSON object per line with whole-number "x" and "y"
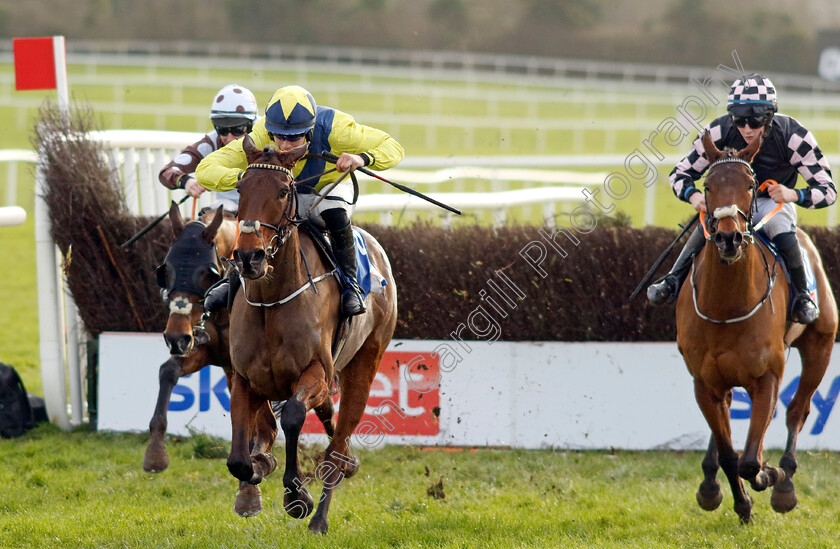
{"x": 34, "y": 63}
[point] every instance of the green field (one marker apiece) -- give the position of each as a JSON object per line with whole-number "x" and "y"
{"x": 87, "y": 490}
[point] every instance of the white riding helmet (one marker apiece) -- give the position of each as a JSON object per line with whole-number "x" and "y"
{"x": 234, "y": 105}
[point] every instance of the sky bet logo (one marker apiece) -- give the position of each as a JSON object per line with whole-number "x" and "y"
{"x": 404, "y": 397}
{"x": 821, "y": 406}
{"x": 205, "y": 393}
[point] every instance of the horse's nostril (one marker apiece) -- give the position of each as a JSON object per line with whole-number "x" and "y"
{"x": 738, "y": 239}
{"x": 719, "y": 239}
{"x": 257, "y": 257}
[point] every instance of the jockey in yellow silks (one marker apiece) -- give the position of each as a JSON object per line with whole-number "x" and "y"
{"x": 292, "y": 118}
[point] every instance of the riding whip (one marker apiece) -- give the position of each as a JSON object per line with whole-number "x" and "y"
{"x": 332, "y": 158}
{"x": 661, "y": 259}
{"x": 149, "y": 227}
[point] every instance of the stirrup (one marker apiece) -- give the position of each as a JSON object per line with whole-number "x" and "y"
{"x": 663, "y": 290}
{"x": 803, "y": 310}
{"x": 351, "y": 301}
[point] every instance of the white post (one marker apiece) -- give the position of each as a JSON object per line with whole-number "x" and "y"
{"x": 61, "y": 75}
{"x": 51, "y": 324}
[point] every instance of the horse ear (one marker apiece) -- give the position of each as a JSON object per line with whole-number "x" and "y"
{"x": 298, "y": 152}
{"x": 176, "y": 219}
{"x": 712, "y": 152}
{"x": 251, "y": 150}
{"x": 749, "y": 152}
{"x": 209, "y": 232}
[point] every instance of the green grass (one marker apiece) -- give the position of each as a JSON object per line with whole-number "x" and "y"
{"x": 85, "y": 489}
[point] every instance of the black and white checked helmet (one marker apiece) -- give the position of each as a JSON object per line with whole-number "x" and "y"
{"x": 754, "y": 92}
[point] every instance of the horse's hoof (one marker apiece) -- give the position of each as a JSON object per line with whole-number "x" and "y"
{"x": 783, "y": 498}
{"x": 709, "y": 499}
{"x": 248, "y": 500}
{"x": 266, "y": 462}
{"x": 318, "y": 525}
{"x": 352, "y": 468}
{"x": 298, "y": 508}
{"x": 155, "y": 460}
{"x": 744, "y": 511}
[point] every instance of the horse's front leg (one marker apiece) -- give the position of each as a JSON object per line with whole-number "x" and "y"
{"x": 156, "y": 459}
{"x": 249, "y": 497}
{"x": 751, "y": 467}
{"x": 716, "y": 412}
{"x": 243, "y": 407}
{"x": 310, "y": 391}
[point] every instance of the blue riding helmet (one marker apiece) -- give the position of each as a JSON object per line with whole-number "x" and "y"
{"x": 291, "y": 111}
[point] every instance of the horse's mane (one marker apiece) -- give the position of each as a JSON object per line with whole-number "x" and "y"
{"x": 729, "y": 152}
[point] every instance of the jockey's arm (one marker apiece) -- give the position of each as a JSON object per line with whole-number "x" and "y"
{"x": 219, "y": 171}
{"x": 377, "y": 149}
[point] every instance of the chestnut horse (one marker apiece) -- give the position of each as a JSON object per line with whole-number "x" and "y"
{"x": 283, "y": 324}
{"x": 732, "y": 330}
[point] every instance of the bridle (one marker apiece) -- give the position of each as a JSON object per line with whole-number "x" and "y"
{"x": 733, "y": 211}
{"x": 281, "y": 233}
{"x": 748, "y": 238}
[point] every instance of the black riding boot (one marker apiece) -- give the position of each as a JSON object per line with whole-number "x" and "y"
{"x": 666, "y": 288}
{"x": 345, "y": 254}
{"x": 802, "y": 309}
{"x": 216, "y": 297}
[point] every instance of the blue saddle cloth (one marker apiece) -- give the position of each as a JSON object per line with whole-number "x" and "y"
{"x": 367, "y": 277}
{"x": 806, "y": 260}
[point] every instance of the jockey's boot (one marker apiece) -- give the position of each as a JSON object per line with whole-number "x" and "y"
{"x": 665, "y": 289}
{"x": 216, "y": 297}
{"x": 802, "y": 309}
{"x": 345, "y": 254}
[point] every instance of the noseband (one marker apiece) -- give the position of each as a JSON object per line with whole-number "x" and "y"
{"x": 283, "y": 232}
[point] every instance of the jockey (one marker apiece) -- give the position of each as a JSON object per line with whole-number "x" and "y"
{"x": 233, "y": 112}
{"x": 788, "y": 149}
{"x": 291, "y": 119}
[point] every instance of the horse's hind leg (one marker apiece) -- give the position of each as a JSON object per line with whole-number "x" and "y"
{"x": 309, "y": 391}
{"x": 815, "y": 350}
{"x": 325, "y": 413}
{"x": 764, "y": 393}
{"x": 716, "y": 412}
{"x": 339, "y": 459}
{"x": 156, "y": 459}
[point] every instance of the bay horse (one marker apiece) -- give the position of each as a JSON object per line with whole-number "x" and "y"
{"x": 284, "y": 321}
{"x": 732, "y": 330}
{"x": 190, "y": 267}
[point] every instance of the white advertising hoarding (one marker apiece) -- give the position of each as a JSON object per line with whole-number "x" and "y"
{"x": 524, "y": 395}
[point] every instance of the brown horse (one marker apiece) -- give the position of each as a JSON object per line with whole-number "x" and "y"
{"x": 283, "y": 324}
{"x": 184, "y": 282}
{"x": 732, "y": 330}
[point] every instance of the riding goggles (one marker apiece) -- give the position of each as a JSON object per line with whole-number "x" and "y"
{"x": 754, "y": 122}
{"x": 236, "y": 131}
{"x": 282, "y": 137}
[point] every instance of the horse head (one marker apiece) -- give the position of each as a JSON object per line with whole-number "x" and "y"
{"x": 730, "y": 190}
{"x": 267, "y": 206}
{"x": 188, "y": 270}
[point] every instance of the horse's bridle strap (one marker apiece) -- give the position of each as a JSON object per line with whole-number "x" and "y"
{"x": 287, "y": 171}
